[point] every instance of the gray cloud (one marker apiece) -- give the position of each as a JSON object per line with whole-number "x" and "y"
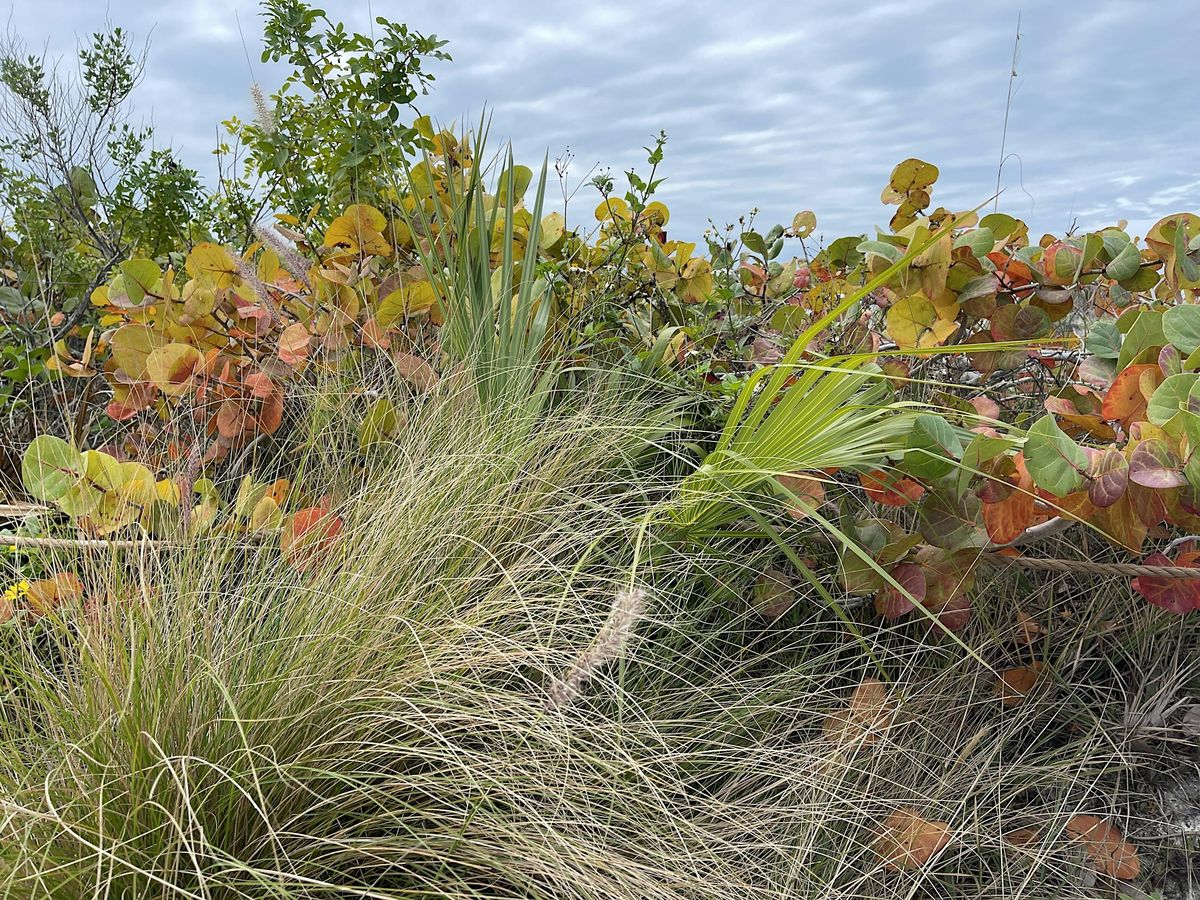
{"x": 779, "y": 106}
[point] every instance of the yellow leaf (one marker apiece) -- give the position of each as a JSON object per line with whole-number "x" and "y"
{"x": 266, "y": 515}
{"x": 409, "y": 300}
{"x": 909, "y": 319}
{"x": 553, "y": 226}
{"x": 613, "y": 208}
{"x": 213, "y": 260}
{"x": 132, "y": 345}
{"x": 360, "y": 228}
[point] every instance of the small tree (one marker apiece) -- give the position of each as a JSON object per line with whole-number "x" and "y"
{"x": 335, "y": 132}
{"x": 81, "y": 189}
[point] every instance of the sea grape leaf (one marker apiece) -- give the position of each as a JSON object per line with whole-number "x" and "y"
{"x": 1055, "y": 462}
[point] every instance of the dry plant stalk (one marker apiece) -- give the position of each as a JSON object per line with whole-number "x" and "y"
{"x": 627, "y": 607}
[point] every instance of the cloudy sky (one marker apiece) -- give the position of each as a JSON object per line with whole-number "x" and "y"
{"x": 783, "y": 106}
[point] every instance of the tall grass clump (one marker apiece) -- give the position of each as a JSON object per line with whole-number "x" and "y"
{"x": 213, "y": 723}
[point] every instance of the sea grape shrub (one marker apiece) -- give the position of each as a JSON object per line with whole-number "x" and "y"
{"x": 1090, "y": 343}
{"x": 1099, "y": 335}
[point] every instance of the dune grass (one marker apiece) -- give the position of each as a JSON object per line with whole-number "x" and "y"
{"x": 394, "y": 722}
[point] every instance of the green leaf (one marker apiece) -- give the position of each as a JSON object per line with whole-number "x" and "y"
{"x": 1181, "y": 326}
{"x": 1184, "y": 263}
{"x": 981, "y": 449}
{"x": 1125, "y": 264}
{"x": 1104, "y": 339}
{"x": 890, "y": 252}
{"x": 754, "y": 242}
{"x": 1145, "y": 332}
{"x": 980, "y": 240}
{"x": 379, "y": 423}
{"x": 50, "y": 468}
{"x": 1000, "y": 224}
{"x": 140, "y": 277}
{"x": 1178, "y": 393}
{"x": 1055, "y": 462}
{"x": 11, "y": 300}
{"x": 932, "y": 447}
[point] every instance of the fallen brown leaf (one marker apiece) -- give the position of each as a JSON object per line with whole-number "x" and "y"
{"x": 1105, "y": 846}
{"x": 908, "y": 841}
{"x": 1014, "y": 684}
{"x": 868, "y": 713}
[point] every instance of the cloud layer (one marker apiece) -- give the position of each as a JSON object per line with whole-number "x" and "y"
{"x": 768, "y": 105}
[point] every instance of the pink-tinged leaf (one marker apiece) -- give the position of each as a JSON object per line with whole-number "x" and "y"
{"x": 1154, "y": 465}
{"x": 293, "y": 344}
{"x": 1170, "y": 361}
{"x": 260, "y": 385}
{"x": 1110, "y": 476}
{"x": 1177, "y": 595}
{"x": 891, "y": 603}
{"x": 986, "y": 407}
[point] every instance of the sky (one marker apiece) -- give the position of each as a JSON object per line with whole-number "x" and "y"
{"x": 779, "y": 106}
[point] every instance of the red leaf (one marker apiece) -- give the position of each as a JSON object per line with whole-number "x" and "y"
{"x": 890, "y": 491}
{"x": 953, "y": 614}
{"x": 892, "y": 603}
{"x": 1177, "y": 595}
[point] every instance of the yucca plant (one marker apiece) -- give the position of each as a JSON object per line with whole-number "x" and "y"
{"x": 497, "y": 309}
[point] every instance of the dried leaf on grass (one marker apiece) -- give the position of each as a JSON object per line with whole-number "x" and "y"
{"x": 1105, "y": 846}
{"x": 48, "y": 594}
{"x": 866, "y": 717}
{"x": 907, "y": 840}
{"x": 1014, "y": 684}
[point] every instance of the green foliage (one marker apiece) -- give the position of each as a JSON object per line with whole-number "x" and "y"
{"x": 334, "y": 134}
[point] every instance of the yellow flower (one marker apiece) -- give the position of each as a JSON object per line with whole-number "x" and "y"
{"x": 13, "y": 591}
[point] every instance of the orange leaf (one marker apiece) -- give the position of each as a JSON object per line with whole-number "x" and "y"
{"x": 1125, "y": 400}
{"x": 890, "y": 491}
{"x": 308, "y": 535}
{"x": 1014, "y": 684}
{"x": 1007, "y": 520}
{"x": 1105, "y": 846}
{"x": 48, "y": 594}
{"x": 909, "y": 841}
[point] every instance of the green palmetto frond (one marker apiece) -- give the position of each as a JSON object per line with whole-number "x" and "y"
{"x": 833, "y": 414}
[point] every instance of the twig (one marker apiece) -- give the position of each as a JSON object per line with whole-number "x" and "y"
{"x": 252, "y": 539}
{"x": 1121, "y": 570}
